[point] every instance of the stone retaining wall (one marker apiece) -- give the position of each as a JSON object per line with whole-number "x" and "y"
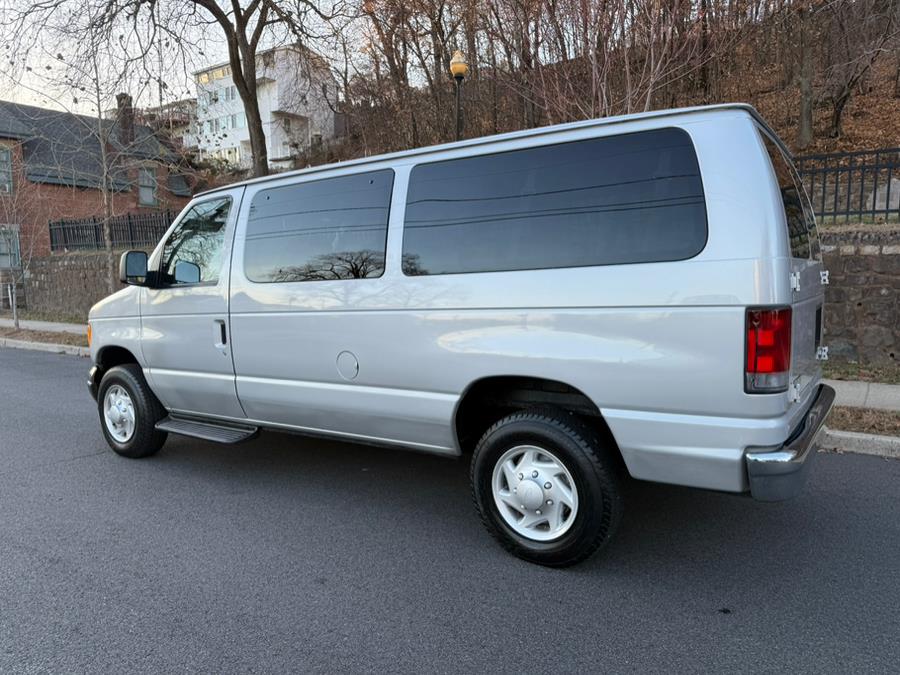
{"x": 862, "y": 311}
{"x": 66, "y": 285}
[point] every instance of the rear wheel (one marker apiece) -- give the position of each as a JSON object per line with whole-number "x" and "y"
{"x": 546, "y": 488}
{"x": 129, "y": 412}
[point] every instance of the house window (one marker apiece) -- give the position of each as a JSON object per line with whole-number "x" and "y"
{"x": 9, "y": 247}
{"x": 6, "y": 176}
{"x": 147, "y": 187}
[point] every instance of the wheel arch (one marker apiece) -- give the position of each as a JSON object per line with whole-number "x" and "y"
{"x": 110, "y": 356}
{"x": 488, "y": 399}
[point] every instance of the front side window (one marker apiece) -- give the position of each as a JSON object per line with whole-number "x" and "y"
{"x": 147, "y": 187}
{"x": 798, "y": 212}
{"x": 621, "y": 199}
{"x": 193, "y": 252}
{"x": 321, "y": 230}
{"x": 6, "y": 174}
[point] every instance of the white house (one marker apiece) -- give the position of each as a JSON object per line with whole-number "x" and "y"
{"x": 294, "y": 87}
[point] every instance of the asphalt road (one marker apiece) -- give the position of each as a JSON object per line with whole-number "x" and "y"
{"x": 285, "y": 554}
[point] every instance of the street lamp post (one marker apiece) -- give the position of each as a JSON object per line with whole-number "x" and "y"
{"x": 458, "y": 69}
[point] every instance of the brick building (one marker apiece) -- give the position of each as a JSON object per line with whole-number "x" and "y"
{"x": 53, "y": 164}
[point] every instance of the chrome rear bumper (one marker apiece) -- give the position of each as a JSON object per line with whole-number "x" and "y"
{"x": 777, "y": 474}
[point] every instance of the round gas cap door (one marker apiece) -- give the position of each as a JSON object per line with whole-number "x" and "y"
{"x": 347, "y": 365}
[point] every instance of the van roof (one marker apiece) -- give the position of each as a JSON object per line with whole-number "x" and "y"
{"x": 527, "y": 133}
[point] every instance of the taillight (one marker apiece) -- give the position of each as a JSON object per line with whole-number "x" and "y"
{"x": 768, "y": 350}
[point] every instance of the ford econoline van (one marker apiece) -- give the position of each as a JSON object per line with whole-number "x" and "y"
{"x": 570, "y": 306}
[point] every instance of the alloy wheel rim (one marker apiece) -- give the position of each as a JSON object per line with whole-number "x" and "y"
{"x": 534, "y": 493}
{"x": 118, "y": 413}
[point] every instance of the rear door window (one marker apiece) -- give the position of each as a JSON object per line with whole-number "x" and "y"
{"x": 798, "y": 212}
{"x": 631, "y": 198}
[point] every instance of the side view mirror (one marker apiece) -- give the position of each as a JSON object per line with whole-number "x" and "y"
{"x": 133, "y": 268}
{"x": 187, "y": 272}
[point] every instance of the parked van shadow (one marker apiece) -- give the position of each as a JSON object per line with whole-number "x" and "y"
{"x": 666, "y": 532}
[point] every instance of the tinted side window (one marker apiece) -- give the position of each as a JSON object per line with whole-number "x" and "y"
{"x": 327, "y": 229}
{"x": 620, "y": 199}
{"x": 801, "y": 222}
{"x": 193, "y": 252}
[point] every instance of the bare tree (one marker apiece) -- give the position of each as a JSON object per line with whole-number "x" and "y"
{"x": 17, "y": 244}
{"x": 247, "y": 28}
{"x": 805, "y": 56}
{"x": 857, "y": 34}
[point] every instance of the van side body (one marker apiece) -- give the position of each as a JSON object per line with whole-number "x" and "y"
{"x": 657, "y": 349}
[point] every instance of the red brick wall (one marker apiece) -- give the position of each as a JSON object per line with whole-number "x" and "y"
{"x": 33, "y": 205}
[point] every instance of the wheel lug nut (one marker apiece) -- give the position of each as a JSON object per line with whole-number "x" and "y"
{"x": 515, "y": 489}
{"x": 549, "y": 502}
{"x": 522, "y": 506}
{"x": 521, "y": 476}
{"x": 538, "y": 512}
{"x": 547, "y": 485}
{"x": 534, "y": 474}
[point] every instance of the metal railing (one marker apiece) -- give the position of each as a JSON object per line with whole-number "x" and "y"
{"x": 848, "y": 187}
{"x": 133, "y": 230}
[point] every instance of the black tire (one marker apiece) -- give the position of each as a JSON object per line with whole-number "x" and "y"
{"x": 592, "y": 467}
{"x": 145, "y": 440}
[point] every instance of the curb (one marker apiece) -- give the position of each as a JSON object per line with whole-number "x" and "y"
{"x": 45, "y": 347}
{"x": 863, "y": 444}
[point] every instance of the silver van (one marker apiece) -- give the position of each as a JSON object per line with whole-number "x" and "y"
{"x": 634, "y": 296}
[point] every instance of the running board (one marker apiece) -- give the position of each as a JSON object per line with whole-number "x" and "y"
{"x": 217, "y": 432}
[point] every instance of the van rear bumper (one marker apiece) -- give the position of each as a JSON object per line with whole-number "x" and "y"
{"x": 776, "y": 474}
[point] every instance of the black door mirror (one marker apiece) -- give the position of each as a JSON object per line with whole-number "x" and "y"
{"x": 133, "y": 268}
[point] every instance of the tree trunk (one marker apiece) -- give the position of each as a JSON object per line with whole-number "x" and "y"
{"x": 257, "y": 137}
{"x": 14, "y": 302}
{"x": 897, "y": 77}
{"x": 704, "y": 51}
{"x": 805, "y": 130}
{"x": 837, "y": 112}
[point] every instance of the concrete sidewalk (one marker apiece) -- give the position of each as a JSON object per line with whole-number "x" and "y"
{"x": 866, "y": 394}
{"x": 51, "y": 326}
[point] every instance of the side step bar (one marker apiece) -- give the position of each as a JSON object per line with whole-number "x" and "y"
{"x": 208, "y": 430}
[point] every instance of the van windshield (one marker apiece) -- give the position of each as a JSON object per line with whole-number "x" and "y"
{"x": 798, "y": 212}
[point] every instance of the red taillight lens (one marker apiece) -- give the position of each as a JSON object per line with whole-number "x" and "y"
{"x": 768, "y": 350}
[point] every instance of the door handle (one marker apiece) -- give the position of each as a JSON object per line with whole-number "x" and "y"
{"x": 220, "y": 335}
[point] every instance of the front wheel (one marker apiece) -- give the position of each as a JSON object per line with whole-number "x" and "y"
{"x": 546, "y": 488}
{"x": 129, "y": 412}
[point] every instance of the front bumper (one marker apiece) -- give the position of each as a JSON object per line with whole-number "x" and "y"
{"x": 93, "y": 381}
{"x": 777, "y": 474}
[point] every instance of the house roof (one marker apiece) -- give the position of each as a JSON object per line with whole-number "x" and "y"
{"x": 63, "y": 148}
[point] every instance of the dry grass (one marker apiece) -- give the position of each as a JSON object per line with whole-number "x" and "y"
{"x": 865, "y": 420}
{"x": 44, "y": 336}
{"x": 32, "y": 315}
{"x": 888, "y": 373}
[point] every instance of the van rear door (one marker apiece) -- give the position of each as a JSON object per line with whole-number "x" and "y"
{"x": 807, "y": 285}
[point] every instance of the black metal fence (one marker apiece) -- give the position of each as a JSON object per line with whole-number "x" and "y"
{"x": 853, "y": 186}
{"x": 133, "y": 230}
